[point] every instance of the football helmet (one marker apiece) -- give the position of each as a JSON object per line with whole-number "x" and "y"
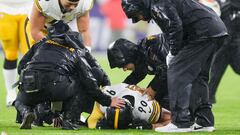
{"x": 121, "y": 52}
{"x": 119, "y": 118}
{"x": 134, "y": 8}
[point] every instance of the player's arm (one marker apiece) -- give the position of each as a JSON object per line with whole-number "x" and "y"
{"x": 83, "y": 23}
{"x": 164, "y": 120}
{"x": 37, "y": 22}
{"x": 90, "y": 83}
{"x": 135, "y": 77}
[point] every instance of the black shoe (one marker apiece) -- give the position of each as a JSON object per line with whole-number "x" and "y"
{"x": 212, "y": 100}
{"x": 18, "y": 118}
{"x": 29, "y": 117}
{"x": 38, "y": 123}
{"x": 80, "y": 123}
{"x": 67, "y": 125}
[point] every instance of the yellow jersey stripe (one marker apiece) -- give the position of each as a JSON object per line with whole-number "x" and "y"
{"x": 116, "y": 118}
{"x": 57, "y": 44}
{"x": 157, "y": 113}
{"x": 36, "y": 2}
{"x": 152, "y": 115}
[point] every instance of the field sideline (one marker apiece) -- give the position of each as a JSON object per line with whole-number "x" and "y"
{"x": 227, "y": 109}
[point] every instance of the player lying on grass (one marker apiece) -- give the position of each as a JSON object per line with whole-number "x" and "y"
{"x": 140, "y": 112}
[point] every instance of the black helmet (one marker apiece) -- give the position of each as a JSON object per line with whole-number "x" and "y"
{"x": 58, "y": 30}
{"x": 133, "y": 8}
{"x": 62, "y": 33}
{"x": 121, "y": 52}
{"x": 119, "y": 118}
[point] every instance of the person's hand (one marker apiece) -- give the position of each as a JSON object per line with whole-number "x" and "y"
{"x": 150, "y": 92}
{"x": 136, "y": 88}
{"x": 169, "y": 58}
{"x": 117, "y": 102}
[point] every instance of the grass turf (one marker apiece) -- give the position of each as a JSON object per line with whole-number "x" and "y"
{"x": 227, "y": 109}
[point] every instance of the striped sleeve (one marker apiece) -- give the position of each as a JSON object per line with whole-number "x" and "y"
{"x": 36, "y": 3}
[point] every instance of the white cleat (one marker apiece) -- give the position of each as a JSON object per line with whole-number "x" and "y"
{"x": 197, "y": 128}
{"x": 172, "y": 128}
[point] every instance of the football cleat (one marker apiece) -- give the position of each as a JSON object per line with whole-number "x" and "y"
{"x": 198, "y": 128}
{"x": 28, "y": 119}
{"x": 172, "y": 128}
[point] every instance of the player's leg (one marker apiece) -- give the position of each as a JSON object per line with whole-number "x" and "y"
{"x": 26, "y": 112}
{"x": 95, "y": 116}
{"x": 164, "y": 119}
{"x": 9, "y": 40}
{"x": 26, "y": 40}
{"x": 234, "y": 53}
{"x": 218, "y": 68}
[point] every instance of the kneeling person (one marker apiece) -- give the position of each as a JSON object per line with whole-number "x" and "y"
{"x": 56, "y": 69}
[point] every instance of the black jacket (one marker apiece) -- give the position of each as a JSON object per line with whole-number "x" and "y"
{"x": 68, "y": 59}
{"x": 230, "y": 14}
{"x": 184, "y": 20}
{"x": 151, "y": 59}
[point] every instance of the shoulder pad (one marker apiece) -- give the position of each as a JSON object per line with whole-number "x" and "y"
{"x": 50, "y": 8}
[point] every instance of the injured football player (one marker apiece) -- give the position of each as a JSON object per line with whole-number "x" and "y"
{"x": 139, "y": 112}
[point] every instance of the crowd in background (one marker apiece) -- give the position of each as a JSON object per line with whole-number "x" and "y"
{"x": 107, "y": 25}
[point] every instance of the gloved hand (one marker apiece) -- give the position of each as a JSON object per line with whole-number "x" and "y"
{"x": 169, "y": 57}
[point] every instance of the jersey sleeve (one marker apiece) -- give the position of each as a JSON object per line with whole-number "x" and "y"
{"x": 88, "y": 4}
{"x": 38, "y": 6}
{"x": 84, "y": 6}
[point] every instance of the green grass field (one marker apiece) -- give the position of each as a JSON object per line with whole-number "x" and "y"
{"x": 227, "y": 109}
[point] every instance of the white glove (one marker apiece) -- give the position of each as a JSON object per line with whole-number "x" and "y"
{"x": 169, "y": 58}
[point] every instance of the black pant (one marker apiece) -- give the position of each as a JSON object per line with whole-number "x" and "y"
{"x": 53, "y": 87}
{"x": 228, "y": 54}
{"x": 187, "y": 77}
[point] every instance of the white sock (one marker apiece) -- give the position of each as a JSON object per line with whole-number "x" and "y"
{"x": 10, "y": 77}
